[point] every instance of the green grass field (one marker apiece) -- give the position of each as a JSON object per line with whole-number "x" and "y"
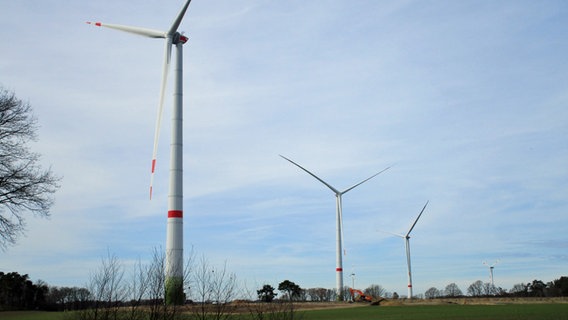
{"x": 443, "y": 312}
{"x": 416, "y": 312}
{"x": 31, "y": 315}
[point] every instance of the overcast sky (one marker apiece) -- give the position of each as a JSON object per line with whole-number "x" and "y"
{"x": 466, "y": 100}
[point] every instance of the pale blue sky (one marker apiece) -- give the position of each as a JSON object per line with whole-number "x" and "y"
{"x": 467, "y": 99}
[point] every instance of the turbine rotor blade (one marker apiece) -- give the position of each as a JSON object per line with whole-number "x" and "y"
{"x": 136, "y": 30}
{"x": 313, "y": 175}
{"x": 391, "y": 233}
{"x": 341, "y": 224}
{"x": 177, "y": 21}
{"x": 417, "y": 218}
{"x": 369, "y": 178}
{"x": 165, "y": 69}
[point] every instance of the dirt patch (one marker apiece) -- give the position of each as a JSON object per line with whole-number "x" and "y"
{"x": 327, "y": 305}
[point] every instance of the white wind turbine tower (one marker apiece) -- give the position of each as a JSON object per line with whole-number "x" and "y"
{"x": 491, "y": 267}
{"x": 339, "y": 223}
{"x": 174, "y": 238}
{"x": 406, "y": 238}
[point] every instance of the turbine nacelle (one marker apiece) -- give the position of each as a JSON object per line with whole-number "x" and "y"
{"x": 182, "y": 39}
{"x": 172, "y": 37}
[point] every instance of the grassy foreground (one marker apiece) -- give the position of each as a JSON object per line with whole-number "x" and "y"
{"x": 31, "y": 315}
{"x": 409, "y": 312}
{"x": 442, "y": 312}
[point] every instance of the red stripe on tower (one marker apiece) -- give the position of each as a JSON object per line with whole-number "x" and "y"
{"x": 175, "y": 214}
{"x": 153, "y": 165}
{"x": 338, "y": 269}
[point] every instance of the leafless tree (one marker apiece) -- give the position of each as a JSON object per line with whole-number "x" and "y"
{"x": 475, "y": 289}
{"x": 375, "y": 290}
{"x": 432, "y": 293}
{"x": 452, "y": 290}
{"x": 24, "y": 185}
{"x": 108, "y": 290}
{"x": 212, "y": 289}
{"x": 318, "y": 294}
{"x": 156, "y": 280}
{"x": 489, "y": 289}
{"x": 139, "y": 296}
{"x": 138, "y": 288}
{"x": 519, "y": 289}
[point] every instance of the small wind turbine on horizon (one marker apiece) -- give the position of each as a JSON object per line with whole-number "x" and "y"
{"x": 339, "y": 222}
{"x": 174, "y": 237}
{"x": 406, "y": 238}
{"x": 491, "y": 267}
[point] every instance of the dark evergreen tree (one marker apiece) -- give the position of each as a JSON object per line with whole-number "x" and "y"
{"x": 266, "y": 294}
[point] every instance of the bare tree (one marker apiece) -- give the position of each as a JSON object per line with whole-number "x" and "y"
{"x": 156, "y": 282}
{"x": 140, "y": 296}
{"x": 475, "y": 289}
{"x": 375, "y": 290}
{"x": 432, "y": 293}
{"x": 452, "y": 290}
{"x": 489, "y": 289}
{"x": 138, "y": 287}
{"x": 213, "y": 289}
{"x": 319, "y": 294}
{"x": 24, "y": 185}
{"x": 519, "y": 289}
{"x": 108, "y": 290}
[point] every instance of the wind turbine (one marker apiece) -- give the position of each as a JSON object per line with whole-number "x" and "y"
{"x": 339, "y": 223}
{"x": 406, "y": 238}
{"x": 491, "y": 267}
{"x": 174, "y": 237}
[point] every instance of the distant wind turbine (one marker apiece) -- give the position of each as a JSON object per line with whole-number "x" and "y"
{"x": 339, "y": 222}
{"x": 491, "y": 267}
{"x": 406, "y": 238}
{"x": 174, "y": 237}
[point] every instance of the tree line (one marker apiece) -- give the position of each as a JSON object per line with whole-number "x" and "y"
{"x": 18, "y": 292}
{"x": 535, "y": 288}
{"x": 108, "y": 288}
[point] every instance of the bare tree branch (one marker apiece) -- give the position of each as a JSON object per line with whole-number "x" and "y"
{"x": 25, "y": 187}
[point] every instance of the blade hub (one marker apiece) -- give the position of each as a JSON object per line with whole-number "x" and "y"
{"x": 179, "y": 38}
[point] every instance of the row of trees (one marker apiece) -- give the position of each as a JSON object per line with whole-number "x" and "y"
{"x": 18, "y": 292}
{"x": 109, "y": 289}
{"x": 536, "y": 288}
